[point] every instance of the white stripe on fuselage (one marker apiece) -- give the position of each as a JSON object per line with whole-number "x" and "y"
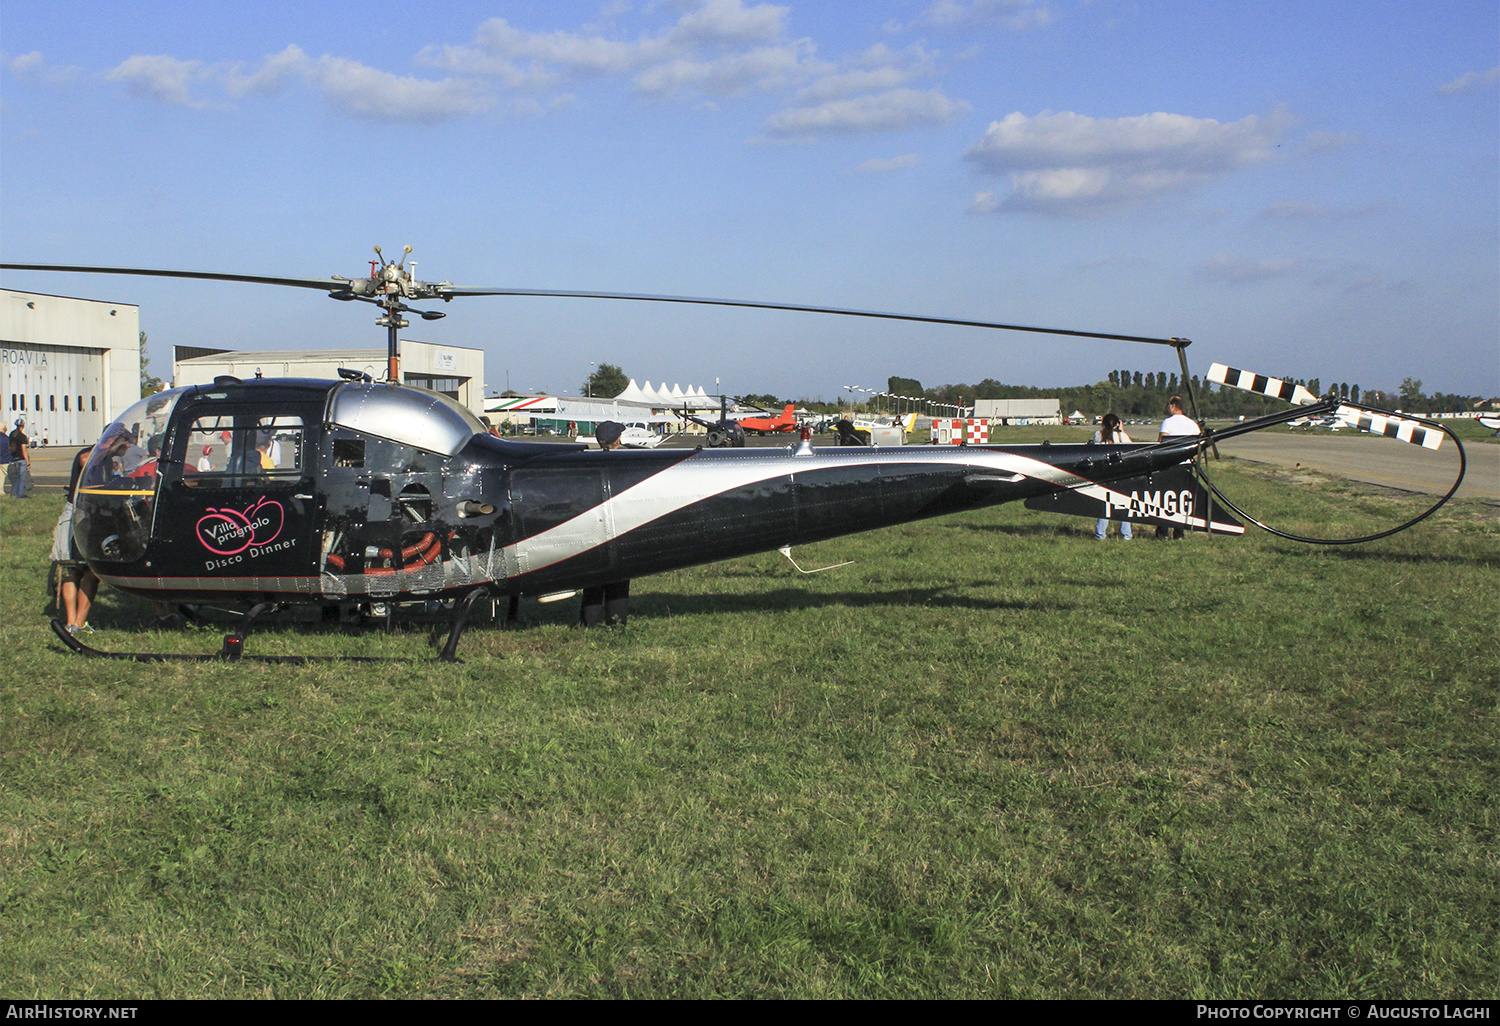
{"x": 705, "y": 475}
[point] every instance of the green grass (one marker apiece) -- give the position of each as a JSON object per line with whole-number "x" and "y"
{"x": 992, "y": 758}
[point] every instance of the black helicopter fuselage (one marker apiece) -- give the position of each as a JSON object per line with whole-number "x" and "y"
{"x": 330, "y": 492}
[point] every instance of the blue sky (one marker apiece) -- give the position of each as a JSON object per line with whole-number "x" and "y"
{"x": 1309, "y": 189}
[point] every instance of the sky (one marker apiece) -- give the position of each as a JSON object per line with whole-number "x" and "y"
{"x": 1308, "y": 189}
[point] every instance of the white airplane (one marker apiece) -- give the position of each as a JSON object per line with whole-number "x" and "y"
{"x": 1331, "y": 423}
{"x": 635, "y": 436}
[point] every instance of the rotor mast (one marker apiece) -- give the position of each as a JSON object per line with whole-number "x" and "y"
{"x": 391, "y": 277}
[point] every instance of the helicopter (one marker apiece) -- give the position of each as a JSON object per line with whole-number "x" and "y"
{"x": 355, "y": 492}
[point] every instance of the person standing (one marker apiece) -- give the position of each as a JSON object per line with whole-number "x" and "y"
{"x": 1111, "y": 433}
{"x": 77, "y": 582}
{"x": 1177, "y": 425}
{"x": 19, "y": 467}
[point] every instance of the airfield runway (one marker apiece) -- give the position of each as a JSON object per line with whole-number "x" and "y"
{"x": 1379, "y": 461}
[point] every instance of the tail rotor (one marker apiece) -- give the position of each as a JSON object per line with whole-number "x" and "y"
{"x": 1412, "y": 430}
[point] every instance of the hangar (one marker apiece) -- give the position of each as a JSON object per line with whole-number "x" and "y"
{"x": 69, "y": 366}
{"x": 1019, "y": 411}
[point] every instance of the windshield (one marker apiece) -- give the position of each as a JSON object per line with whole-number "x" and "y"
{"x": 412, "y": 416}
{"x": 117, "y": 492}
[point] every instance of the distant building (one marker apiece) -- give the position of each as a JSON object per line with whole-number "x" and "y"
{"x": 452, "y": 370}
{"x": 656, "y": 409}
{"x": 69, "y": 366}
{"x": 577, "y": 415}
{"x": 1019, "y": 411}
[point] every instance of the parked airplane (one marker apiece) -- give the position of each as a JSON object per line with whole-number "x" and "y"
{"x": 783, "y": 423}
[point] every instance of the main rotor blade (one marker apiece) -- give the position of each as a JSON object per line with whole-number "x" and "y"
{"x": 325, "y": 284}
{"x": 451, "y": 290}
{"x": 446, "y": 292}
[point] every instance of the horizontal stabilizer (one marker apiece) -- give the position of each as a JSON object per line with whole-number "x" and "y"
{"x": 1390, "y": 426}
{"x": 1260, "y": 384}
{"x": 1171, "y": 498}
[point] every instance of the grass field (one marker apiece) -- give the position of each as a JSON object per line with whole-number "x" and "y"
{"x": 991, "y": 758}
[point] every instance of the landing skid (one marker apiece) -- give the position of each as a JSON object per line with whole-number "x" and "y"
{"x": 233, "y": 652}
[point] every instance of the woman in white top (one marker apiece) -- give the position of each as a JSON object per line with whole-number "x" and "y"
{"x": 1110, "y": 433}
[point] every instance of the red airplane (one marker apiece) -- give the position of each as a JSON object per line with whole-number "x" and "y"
{"x": 771, "y": 425}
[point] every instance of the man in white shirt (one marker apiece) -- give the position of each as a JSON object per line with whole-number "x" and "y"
{"x": 1177, "y": 425}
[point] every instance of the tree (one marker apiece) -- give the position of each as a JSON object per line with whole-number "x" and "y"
{"x": 606, "y": 382}
{"x": 150, "y": 383}
{"x": 1411, "y": 393}
{"x": 903, "y": 386}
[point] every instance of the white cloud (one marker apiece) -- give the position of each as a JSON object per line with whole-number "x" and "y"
{"x": 849, "y": 83}
{"x": 1071, "y": 163}
{"x": 497, "y": 40}
{"x": 866, "y": 93}
{"x": 705, "y": 48}
{"x": 1225, "y": 267}
{"x": 27, "y": 62}
{"x": 272, "y": 74}
{"x": 1469, "y": 81}
{"x": 348, "y": 86}
{"x": 764, "y": 68}
{"x": 161, "y": 78}
{"x": 33, "y": 67}
{"x": 366, "y": 92}
{"x": 984, "y": 202}
{"x": 730, "y": 21}
{"x": 890, "y": 111}
{"x": 878, "y": 165}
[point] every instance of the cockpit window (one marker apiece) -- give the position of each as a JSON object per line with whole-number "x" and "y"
{"x": 411, "y": 416}
{"x": 116, "y": 498}
{"x": 126, "y": 454}
{"x": 226, "y": 449}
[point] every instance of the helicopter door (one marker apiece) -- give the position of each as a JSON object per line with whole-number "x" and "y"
{"x": 242, "y": 498}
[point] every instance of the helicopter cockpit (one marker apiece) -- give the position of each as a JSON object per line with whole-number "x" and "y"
{"x": 230, "y": 438}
